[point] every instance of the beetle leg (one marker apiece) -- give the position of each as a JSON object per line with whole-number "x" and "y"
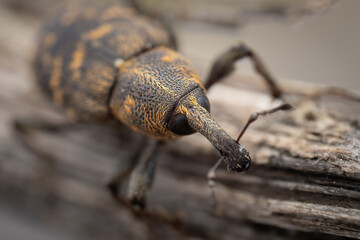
{"x": 142, "y": 176}
{"x": 125, "y": 167}
{"x": 224, "y": 65}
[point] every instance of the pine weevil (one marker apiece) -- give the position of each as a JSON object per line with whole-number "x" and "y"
{"x": 104, "y": 62}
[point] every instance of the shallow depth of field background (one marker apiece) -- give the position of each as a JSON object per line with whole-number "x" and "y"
{"x": 310, "y": 41}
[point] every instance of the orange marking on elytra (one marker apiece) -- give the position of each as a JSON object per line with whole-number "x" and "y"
{"x": 100, "y": 31}
{"x": 77, "y": 60}
{"x": 115, "y": 12}
{"x": 55, "y": 81}
{"x": 50, "y": 39}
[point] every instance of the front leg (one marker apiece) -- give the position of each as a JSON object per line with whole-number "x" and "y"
{"x": 125, "y": 167}
{"x": 140, "y": 165}
{"x": 224, "y": 65}
{"x": 142, "y": 176}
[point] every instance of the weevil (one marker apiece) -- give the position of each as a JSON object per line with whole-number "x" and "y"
{"x": 103, "y": 62}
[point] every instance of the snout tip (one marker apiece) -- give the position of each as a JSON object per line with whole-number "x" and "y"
{"x": 247, "y": 165}
{"x": 246, "y": 162}
{"x": 241, "y": 166}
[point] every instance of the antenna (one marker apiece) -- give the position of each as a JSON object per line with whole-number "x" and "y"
{"x": 253, "y": 117}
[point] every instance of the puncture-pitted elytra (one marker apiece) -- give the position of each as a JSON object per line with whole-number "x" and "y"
{"x": 102, "y": 62}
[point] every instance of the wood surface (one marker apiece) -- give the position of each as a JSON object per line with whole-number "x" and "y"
{"x": 304, "y": 181}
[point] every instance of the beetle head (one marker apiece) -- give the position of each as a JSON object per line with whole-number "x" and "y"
{"x": 178, "y": 122}
{"x": 192, "y": 113}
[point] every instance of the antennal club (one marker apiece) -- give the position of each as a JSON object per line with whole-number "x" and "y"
{"x": 253, "y": 117}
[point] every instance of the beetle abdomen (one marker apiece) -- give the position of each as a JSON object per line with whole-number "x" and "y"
{"x": 75, "y": 59}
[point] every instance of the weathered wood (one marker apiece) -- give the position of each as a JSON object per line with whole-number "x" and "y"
{"x": 304, "y": 182}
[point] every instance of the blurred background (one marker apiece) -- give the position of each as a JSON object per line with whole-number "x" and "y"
{"x": 300, "y": 40}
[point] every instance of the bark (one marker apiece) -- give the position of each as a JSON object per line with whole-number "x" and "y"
{"x": 303, "y": 183}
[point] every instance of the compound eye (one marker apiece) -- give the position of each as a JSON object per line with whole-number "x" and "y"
{"x": 204, "y": 102}
{"x": 179, "y": 125}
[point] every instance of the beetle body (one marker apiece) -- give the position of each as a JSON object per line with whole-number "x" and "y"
{"x": 105, "y": 62}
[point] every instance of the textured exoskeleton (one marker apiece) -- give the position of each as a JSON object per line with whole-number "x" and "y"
{"x": 102, "y": 62}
